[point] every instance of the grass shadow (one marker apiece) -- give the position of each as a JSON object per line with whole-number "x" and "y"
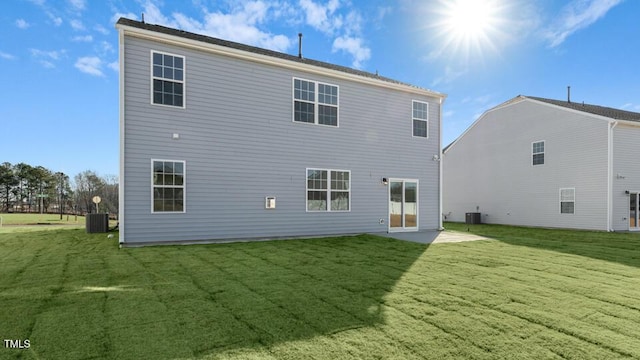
{"x": 618, "y": 247}
{"x": 192, "y": 301}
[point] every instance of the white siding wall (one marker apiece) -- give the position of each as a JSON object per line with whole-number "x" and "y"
{"x": 490, "y": 168}
{"x": 626, "y": 163}
{"x": 240, "y": 145}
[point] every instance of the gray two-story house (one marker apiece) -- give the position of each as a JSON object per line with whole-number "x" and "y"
{"x": 223, "y": 141}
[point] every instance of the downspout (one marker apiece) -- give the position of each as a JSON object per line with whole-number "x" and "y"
{"x": 441, "y": 159}
{"x": 612, "y": 125}
{"x": 121, "y": 179}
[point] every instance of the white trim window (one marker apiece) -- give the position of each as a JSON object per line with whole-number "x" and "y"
{"x": 328, "y": 190}
{"x": 567, "y": 200}
{"x": 420, "y": 119}
{"x": 315, "y": 102}
{"x": 168, "y": 186}
{"x": 537, "y": 153}
{"x": 167, "y": 79}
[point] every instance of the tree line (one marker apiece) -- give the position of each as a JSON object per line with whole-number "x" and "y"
{"x": 26, "y": 188}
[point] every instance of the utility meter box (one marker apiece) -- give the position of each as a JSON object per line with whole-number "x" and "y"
{"x": 270, "y": 202}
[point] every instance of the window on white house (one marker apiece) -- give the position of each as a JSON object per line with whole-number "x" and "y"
{"x": 567, "y": 200}
{"x": 315, "y": 102}
{"x": 537, "y": 153}
{"x": 168, "y": 185}
{"x": 168, "y": 79}
{"x": 420, "y": 119}
{"x": 328, "y": 190}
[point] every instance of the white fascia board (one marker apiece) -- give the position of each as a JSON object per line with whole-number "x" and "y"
{"x": 269, "y": 60}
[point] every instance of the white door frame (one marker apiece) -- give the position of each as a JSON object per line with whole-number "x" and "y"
{"x": 389, "y": 222}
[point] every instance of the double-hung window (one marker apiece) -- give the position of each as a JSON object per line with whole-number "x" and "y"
{"x": 420, "y": 119}
{"x": 315, "y": 102}
{"x": 168, "y": 185}
{"x": 167, "y": 76}
{"x": 567, "y": 201}
{"x": 537, "y": 153}
{"x": 328, "y": 190}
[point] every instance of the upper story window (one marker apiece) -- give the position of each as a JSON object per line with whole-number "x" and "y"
{"x": 167, "y": 75}
{"x": 420, "y": 119}
{"x": 315, "y": 103}
{"x": 537, "y": 153}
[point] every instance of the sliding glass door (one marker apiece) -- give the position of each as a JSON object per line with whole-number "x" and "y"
{"x": 634, "y": 200}
{"x": 403, "y": 205}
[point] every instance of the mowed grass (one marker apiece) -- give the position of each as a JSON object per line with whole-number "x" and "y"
{"x": 533, "y": 294}
{"x": 34, "y": 219}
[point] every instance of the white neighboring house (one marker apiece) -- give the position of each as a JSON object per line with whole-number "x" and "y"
{"x": 549, "y": 163}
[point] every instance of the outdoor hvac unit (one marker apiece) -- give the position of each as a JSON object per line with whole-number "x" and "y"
{"x": 97, "y": 223}
{"x": 473, "y": 218}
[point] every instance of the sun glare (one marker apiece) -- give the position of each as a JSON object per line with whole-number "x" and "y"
{"x": 469, "y": 26}
{"x": 469, "y": 18}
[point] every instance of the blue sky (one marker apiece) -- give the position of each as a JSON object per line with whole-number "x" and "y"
{"x": 60, "y": 63}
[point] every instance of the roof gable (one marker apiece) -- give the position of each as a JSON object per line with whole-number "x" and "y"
{"x": 607, "y": 112}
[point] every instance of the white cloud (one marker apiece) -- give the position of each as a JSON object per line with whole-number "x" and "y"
{"x": 76, "y": 24}
{"x": 91, "y": 65}
{"x": 248, "y": 22}
{"x": 575, "y": 16}
{"x": 450, "y": 74}
{"x": 115, "y": 66}
{"x": 240, "y": 25}
{"x": 335, "y": 19}
{"x": 86, "y": 38}
{"x": 22, "y": 24}
{"x": 104, "y": 48}
{"x": 322, "y": 17}
{"x": 101, "y": 29}
{"x": 48, "y": 58}
{"x": 119, "y": 15}
{"x": 57, "y": 21}
{"x": 354, "y": 47}
{"x": 78, "y": 4}
{"x": 6, "y": 56}
{"x": 382, "y": 12}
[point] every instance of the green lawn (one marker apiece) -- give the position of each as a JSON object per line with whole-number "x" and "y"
{"x": 532, "y": 294}
{"x": 39, "y": 219}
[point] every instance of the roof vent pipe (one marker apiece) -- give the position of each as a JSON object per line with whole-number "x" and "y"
{"x": 300, "y": 45}
{"x": 569, "y": 94}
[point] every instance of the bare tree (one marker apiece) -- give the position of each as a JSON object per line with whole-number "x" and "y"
{"x": 110, "y": 198}
{"x": 87, "y": 185}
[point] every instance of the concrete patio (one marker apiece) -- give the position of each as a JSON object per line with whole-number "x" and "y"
{"x": 433, "y": 236}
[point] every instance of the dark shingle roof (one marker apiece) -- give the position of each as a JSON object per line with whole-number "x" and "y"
{"x": 261, "y": 51}
{"x": 593, "y": 109}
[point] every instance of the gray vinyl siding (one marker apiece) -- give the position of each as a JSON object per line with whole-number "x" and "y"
{"x": 240, "y": 144}
{"x": 490, "y": 168}
{"x": 626, "y": 148}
